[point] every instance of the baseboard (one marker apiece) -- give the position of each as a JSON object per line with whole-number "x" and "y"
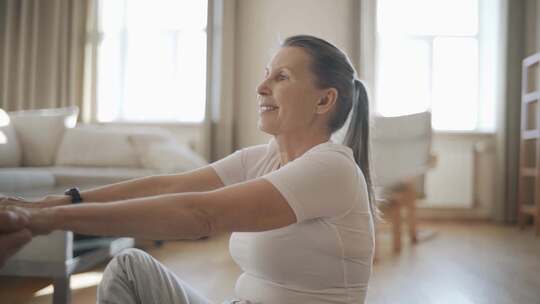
{"x": 450, "y": 213}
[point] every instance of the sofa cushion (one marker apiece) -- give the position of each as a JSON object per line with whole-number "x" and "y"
{"x": 172, "y": 158}
{"x": 35, "y": 182}
{"x": 95, "y": 146}
{"x": 40, "y": 132}
{"x": 80, "y": 176}
{"x": 160, "y": 151}
{"x": 17, "y": 179}
{"x": 10, "y": 152}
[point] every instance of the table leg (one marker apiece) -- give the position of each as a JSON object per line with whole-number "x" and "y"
{"x": 62, "y": 291}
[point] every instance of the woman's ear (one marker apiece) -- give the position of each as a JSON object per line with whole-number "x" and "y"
{"x": 326, "y": 101}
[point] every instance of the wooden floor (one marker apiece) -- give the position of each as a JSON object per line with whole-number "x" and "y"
{"x": 464, "y": 263}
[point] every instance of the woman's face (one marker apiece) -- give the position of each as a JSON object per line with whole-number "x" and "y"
{"x": 288, "y": 96}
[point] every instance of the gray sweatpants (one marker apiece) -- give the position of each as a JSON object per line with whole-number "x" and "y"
{"x": 133, "y": 276}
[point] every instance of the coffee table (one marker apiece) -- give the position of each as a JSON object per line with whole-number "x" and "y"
{"x": 57, "y": 256}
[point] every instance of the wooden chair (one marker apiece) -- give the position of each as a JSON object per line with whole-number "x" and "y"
{"x": 401, "y": 153}
{"x": 397, "y": 200}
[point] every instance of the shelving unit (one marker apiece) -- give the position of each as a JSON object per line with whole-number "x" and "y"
{"x": 529, "y": 163}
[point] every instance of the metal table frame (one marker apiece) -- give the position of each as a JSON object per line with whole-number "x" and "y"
{"x": 60, "y": 271}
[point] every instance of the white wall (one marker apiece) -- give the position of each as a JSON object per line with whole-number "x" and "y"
{"x": 260, "y": 24}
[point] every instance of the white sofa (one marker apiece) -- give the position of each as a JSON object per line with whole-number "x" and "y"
{"x": 45, "y": 152}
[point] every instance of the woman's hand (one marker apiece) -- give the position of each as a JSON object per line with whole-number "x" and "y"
{"x": 13, "y": 232}
{"x": 6, "y": 201}
{"x": 53, "y": 201}
{"x": 39, "y": 220}
{"x": 35, "y": 220}
{"x": 45, "y": 202}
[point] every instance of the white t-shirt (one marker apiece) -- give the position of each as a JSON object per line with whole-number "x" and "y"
{"x": 326, "y": 256}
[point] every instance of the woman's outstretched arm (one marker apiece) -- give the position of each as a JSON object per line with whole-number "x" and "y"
{"x": 251, "y": 206}
{"x": 203, "y": 179}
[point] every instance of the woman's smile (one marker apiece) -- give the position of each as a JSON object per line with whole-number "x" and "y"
{"x": 266, "y": 108}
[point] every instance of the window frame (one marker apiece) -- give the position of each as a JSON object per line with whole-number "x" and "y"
{"x": 483, "y": 125}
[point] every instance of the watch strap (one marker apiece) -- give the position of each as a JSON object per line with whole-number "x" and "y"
{"x": 75, "y": 195}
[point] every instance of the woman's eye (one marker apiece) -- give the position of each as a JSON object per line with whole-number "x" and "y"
{"x": 282, "y": 77}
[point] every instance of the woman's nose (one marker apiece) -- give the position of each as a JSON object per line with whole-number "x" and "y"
{"x": 263, "y": 89}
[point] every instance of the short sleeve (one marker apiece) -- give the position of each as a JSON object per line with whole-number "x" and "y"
{"x": 230, "y": 169}
{"x": 318, "y": 184}
{"x": 233, "y": 168}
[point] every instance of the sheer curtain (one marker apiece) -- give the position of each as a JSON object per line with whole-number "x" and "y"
{"x": 219, "y": 125}
{"x": 42, "y": 53}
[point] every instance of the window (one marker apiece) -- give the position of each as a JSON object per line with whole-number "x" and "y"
{"x": 429, "y": 57}
{"x": 152, "y": 61}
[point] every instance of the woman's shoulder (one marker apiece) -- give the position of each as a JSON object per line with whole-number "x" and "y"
{"x": 332, "y": 150}
{"x": 338, "y": 161}
{"x": 334, "y": 157}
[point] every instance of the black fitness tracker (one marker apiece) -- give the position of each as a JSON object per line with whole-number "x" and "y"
{"x": 75, "y": 195}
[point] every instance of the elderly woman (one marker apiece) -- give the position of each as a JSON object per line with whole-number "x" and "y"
{"x": 300, "y": 208}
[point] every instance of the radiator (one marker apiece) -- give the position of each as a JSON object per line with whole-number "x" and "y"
{"x": 452, "y": 182}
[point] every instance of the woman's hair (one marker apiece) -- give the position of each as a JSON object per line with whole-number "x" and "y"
{"x": 333, "y": 69}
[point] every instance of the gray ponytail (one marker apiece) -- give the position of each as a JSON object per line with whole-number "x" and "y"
{"x": 357, "y": 137}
